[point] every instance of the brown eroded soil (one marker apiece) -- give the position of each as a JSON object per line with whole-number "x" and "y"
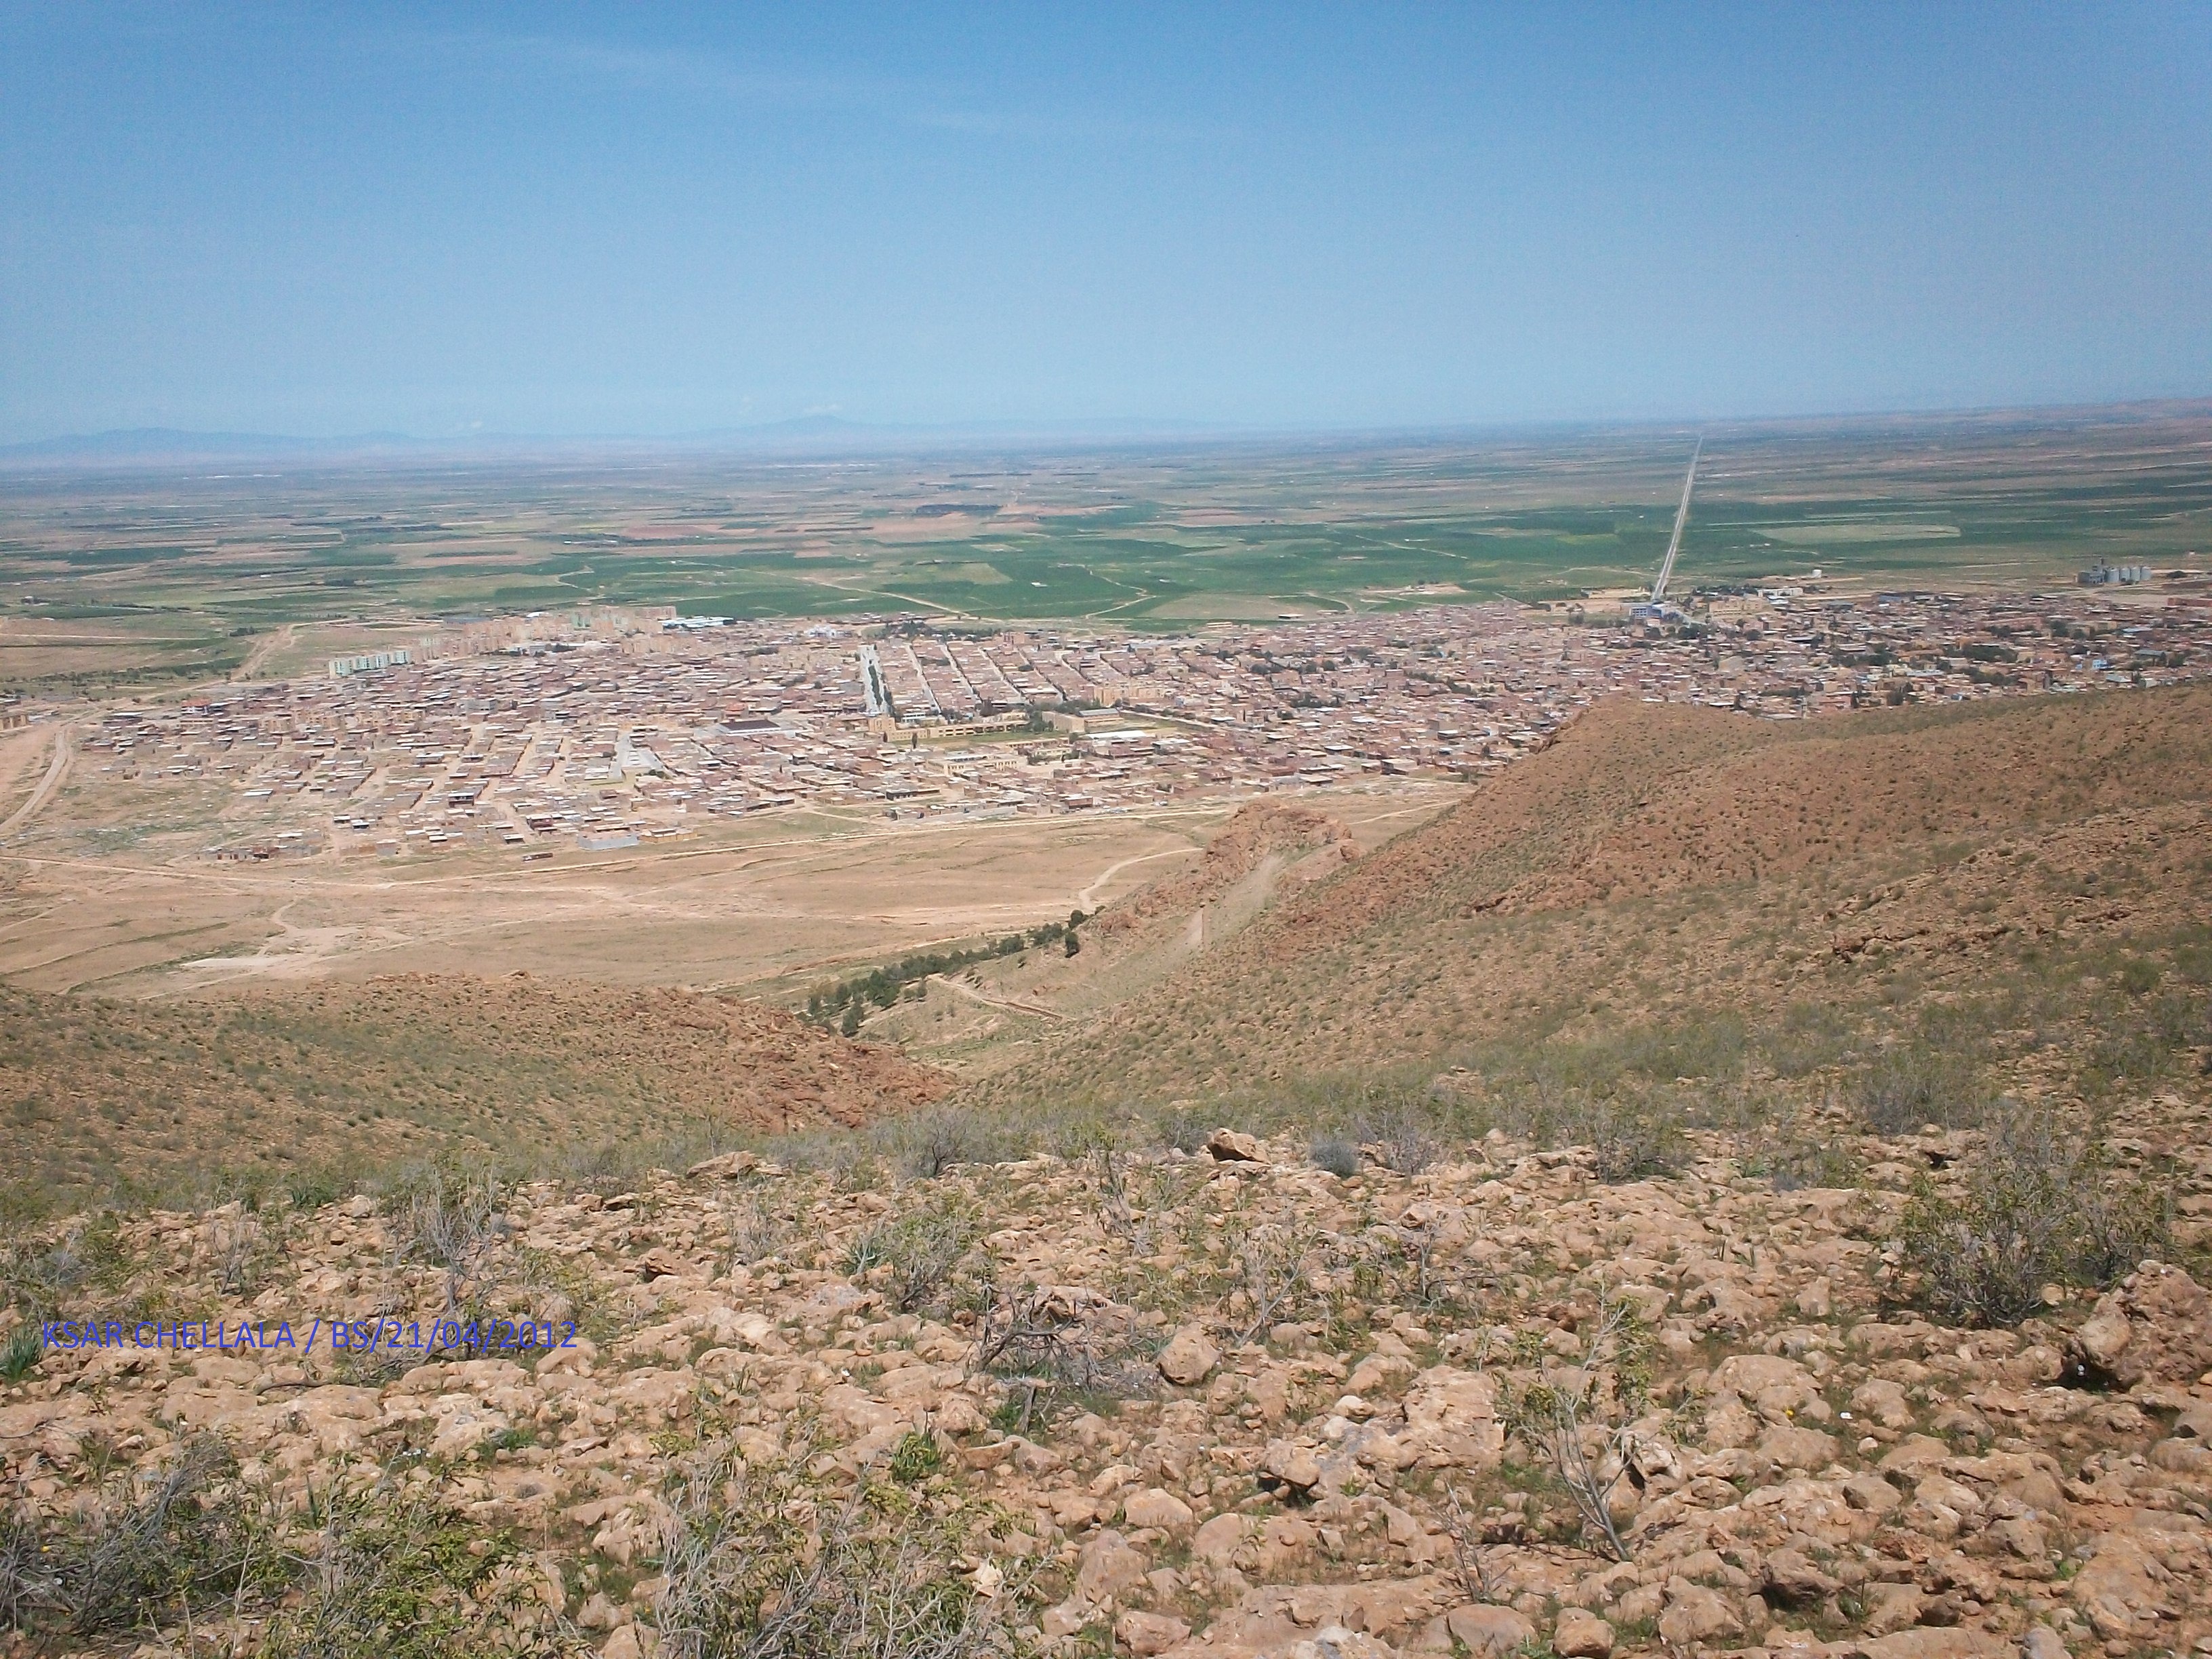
{"x": 1657, "y": 861}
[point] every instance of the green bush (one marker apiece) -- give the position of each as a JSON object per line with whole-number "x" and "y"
{"x": 915, "y": 1458}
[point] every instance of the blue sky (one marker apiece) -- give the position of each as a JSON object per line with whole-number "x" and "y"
{"x": 650, "y": 219}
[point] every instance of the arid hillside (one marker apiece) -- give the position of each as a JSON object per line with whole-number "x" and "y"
{"x": 1660, "y": 864}
{"x": 275, "y": 1088}
{"x": 1728, "y": 1232}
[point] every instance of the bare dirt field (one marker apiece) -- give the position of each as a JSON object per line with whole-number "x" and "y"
{"x": 768, "y": 906}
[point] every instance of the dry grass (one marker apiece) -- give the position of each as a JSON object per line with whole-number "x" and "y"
{"x": 763, "y": 1561}
{"x": 304, "y": 1092}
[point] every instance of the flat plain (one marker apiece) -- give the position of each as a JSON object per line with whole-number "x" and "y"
{"x": 142, "y": 578}
{"x": 767, "y": 905}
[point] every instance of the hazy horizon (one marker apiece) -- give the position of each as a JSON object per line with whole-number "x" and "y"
{"x": 592, "y": 222}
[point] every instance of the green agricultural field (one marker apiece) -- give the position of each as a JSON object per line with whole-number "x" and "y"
{"x": 130, "y": 579}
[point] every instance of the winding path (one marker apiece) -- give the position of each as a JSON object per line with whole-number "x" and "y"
{"x": 1007, "y": 1003}
{"x": 57, "y": 770}
{"x": 1088, "y": 898}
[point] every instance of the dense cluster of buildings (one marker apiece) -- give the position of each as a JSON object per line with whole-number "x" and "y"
{"x": 576, "y": 732}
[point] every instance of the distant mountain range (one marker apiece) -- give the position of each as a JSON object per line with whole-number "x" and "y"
{"x": 819, "y": 433}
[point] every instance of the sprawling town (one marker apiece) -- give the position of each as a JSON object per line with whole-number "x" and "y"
{"x": 598, "y": 728}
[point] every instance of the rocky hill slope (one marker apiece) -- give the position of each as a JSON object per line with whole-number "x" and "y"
{"x": 1664, "y": 864}
{"x": 1212, "y": 1406}
{"x": 1766, "y": 1210}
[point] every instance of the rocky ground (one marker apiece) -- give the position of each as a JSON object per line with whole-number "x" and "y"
{"x": 1211, "y": 1403}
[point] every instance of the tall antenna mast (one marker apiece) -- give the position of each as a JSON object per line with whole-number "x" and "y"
{"x": 1681, "y": 518}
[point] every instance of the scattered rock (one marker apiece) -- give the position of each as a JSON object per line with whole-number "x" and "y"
{"x": 1291, "y": 1471}
{"x": 2156, "y": 1326}
{"x": 1792, "y": 1577}
{"x": 1580, "y": 1634}
{"x": 1162, "y": 1511}
{"x": 1145, "y": 1634}
{"x": 1189, "y": 1357}
{"x": 1483, "y": 1629}
{"x": 1107, "y": 1569}
{"x": 1234, "y": 1146}
{"x": 1300, "y": 1495}
{"x": 1696, "y": 1613}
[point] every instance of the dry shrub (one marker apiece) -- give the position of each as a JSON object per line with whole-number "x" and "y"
{"x": 1915, "y": 1082}
{"x": 764, "y": 1561}
{"x": 926, "y": 1254}
{"x": 1584, "y": 1422}
{"x": 2035, "y": 1207}
{"x": 451, "y": 1222}
{"x": 756, "y": 1233}
{"x": 1184, "y": 1126}
{"x": 1049, "y": 1343}
{"x": 1336, "y": 1155}
{"x": 927, "y": 1143}
{"x": 148, "y": 1542}
{"x": 39, "y": 1276}
{"x": 1632, "y": 1132}
{"x": 1398, "y": 1138}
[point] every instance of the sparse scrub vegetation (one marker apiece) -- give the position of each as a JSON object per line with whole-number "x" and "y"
{"x": 1914, "y": 1082}
{"x": 150, "y": 1541}
{"x": 395, "y": 1577}
{"x": 1336, "y": 1155}
{"x": 1050, "y": 1344}
{"x": 314, "y": 1094}
{"x": 755, "y": 1232}
{"x": 39, "y": 1275}
{"x": 1401, "y": 1136}
{"x": 2035, "y": 1206}
{"x": 924, "y": 1258}
{"x": 1798, "y": 1151}
{"x": 927, "y": 1143}
{"x": 765, "y": 1560}
{"x": 1583, "y": 1422}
